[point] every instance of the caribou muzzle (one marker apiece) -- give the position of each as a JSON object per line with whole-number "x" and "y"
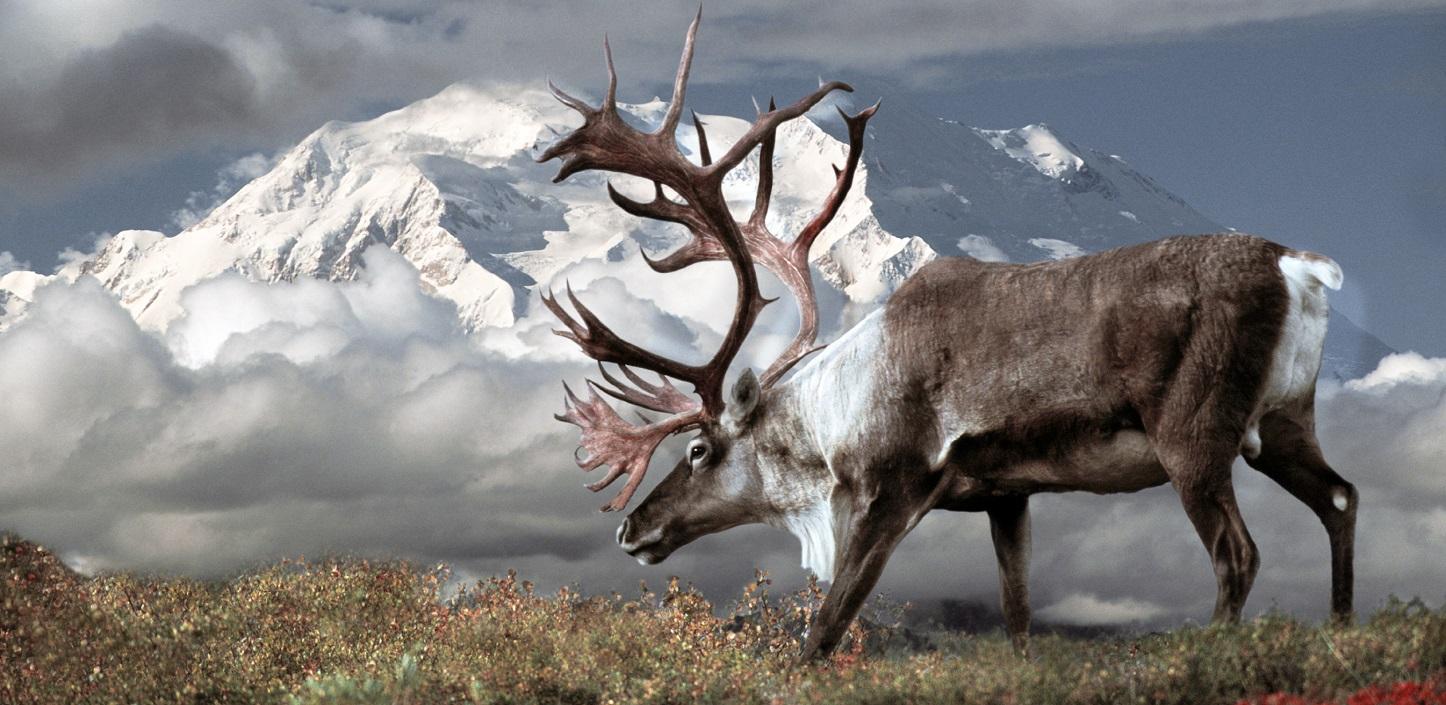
{"x": 646, "y": 545}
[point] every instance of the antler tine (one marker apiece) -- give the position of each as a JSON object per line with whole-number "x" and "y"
{"x": 610, "y": 101}
{"x": 570, "y": 101}
{"x": 680, "y": 82}
{"x": 699, "y": 249}
{"x": 662, "y": 397}
{"x": 613, "y": 473}
{"x": 660, "y": 208}
{"x": 761, "y": 200}
{"x": 703, "y": 154}
{"x": 600, "y": 343}
{"x": 843, "y": 181}
{"x": 605, "y": 141}
{"x": 793, "y": 271}
{"x": 574, "y": 330}
{"x": 771, "y": 120}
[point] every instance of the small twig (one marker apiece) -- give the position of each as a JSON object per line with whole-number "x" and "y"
{"x": 130, "y": 601}
{"x": 1331, "y": 646}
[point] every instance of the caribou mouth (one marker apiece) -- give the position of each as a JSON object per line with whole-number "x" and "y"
{"x": 647, "y": 558}
{"x": 644, "y": 548}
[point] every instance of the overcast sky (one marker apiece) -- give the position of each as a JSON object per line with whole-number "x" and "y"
{"x": 1319, "y": 124}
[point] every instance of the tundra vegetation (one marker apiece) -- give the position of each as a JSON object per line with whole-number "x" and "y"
{"x": 357, "y": 631}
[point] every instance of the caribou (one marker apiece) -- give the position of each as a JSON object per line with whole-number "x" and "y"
{"x": 975, "y": 386}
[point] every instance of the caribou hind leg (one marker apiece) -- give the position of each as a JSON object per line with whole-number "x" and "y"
{"x": 1291, "y": 456}
{"x": 1195, "y": 442}
{"x": 1009, "y": 527}
{"x": 1208, "y": 497}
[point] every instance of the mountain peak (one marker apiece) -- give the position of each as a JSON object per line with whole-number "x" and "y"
{"x": 1038, "y": 147}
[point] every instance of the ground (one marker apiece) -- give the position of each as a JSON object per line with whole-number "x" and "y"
{"x": 354, "y": 631}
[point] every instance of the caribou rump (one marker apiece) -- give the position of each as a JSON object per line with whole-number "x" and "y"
{"x": 975, "y": 386}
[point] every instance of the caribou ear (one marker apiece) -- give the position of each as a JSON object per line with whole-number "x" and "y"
{"x": 746, "y": 393}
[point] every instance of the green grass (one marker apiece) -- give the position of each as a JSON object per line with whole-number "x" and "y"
{"x": 353, "y": 631}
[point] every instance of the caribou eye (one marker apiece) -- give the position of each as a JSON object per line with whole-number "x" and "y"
{"x": 697, "y": 452}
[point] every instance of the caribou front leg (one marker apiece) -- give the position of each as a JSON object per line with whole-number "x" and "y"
{"x": 870, "y": 519}
{"x": 1009, "y": 526}
{"x": 872, "y": 532}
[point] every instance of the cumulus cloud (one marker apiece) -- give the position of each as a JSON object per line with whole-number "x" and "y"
{"x": 982, "y": 248}
{"x": 305, "y": 418}
{"x": 1402, "y": 369}
{"x": 312, "y": 417}
{"x": 8, "y": 263}
{"x": 316, "y": 412}
{"x": 87, "y": 84}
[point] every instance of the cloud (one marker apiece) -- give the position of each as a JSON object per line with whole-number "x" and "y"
{"x": 312, "y": 417}
{"x": 1402, "y": 369}
{"x": 86, "y": 86}
{"x": 1090, "y": 610}
{"x": 229, "y": 179}
{"x": 982, "y": 248}
{"x": 152, "y": 87}
{"x": 8, "y": 263}
{"x": 320, "y": 417}
{"x": 309, "y": 417}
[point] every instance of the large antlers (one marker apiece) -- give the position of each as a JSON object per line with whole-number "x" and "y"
{"x": 788, "y": 260}
{"x": 604, "y": 142}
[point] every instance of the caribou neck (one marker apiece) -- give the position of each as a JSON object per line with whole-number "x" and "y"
{"x": 803, "y": 418}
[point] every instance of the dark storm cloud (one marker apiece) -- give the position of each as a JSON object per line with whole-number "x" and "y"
{"x": 153, "y": 88}
{"x": 89, "y": 85}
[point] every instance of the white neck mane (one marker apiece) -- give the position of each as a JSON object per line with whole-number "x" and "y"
{"x": 813, "y": 525}
{"x": 831, "y": 392}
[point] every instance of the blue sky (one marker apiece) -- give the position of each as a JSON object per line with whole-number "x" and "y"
{"x": 1325, "y": 131}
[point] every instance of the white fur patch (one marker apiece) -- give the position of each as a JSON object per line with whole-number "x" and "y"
{"x": 1296, "y": 361}
{"x": 837, "y": 387}
{"x": 1250, "y": 448}
{"x": 813, "y": 525}
{"x": 1339, "y": 499}
{"x": 1322, "y": 269}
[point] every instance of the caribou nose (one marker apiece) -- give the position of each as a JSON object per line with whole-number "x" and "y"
{"x": 623, "y": 530}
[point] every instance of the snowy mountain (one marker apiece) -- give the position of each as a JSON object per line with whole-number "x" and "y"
{"x": 450, "y": 183}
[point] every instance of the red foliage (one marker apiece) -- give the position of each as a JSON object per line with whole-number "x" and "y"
{"x": 1278, "y": 699}
{"x": 1427, "y": 692}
